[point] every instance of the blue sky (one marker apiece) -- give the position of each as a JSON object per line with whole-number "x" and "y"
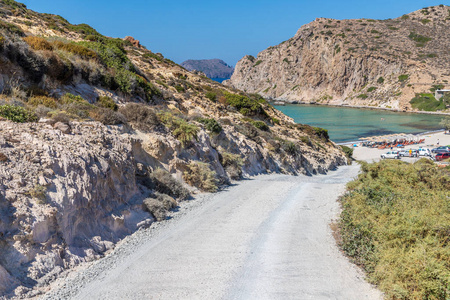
{"x": 199, "y": 29}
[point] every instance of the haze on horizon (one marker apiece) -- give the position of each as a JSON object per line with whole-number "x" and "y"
{"x": 182, "y": 30}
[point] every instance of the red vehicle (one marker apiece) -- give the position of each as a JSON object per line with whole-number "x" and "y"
{"x": 443, "y": 155}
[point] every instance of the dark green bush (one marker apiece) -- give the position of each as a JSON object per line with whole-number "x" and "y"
{"x": 290, "y": 147}
{"x": 321, "y": 132}
{"x": 371, "y": 89}
{"x": 244, "y": 104}
{"x": 348, "y": 151}
{"x": 380, "y": 80}
{"x": 17, "y": 114}
{"x": 211, "y": 125}
{"x": 211, "y": 96}
{"x": 420, "y": 39}
{"x": 403, "y": 77}
{"x": 362, "y": 96}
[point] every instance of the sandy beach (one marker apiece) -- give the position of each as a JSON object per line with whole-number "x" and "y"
{"x": 373, "y": 154}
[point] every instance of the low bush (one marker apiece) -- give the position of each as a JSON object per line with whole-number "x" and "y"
{"x": 107, "y": 102}
{"x": 362, "y": 96}
{"x": 182, "y": 130}
{"x": 11, "y": 28}
{"x": 232, "y": 164}
{"x": 245, "y": 105}
{"x": 403, "y": 77}
{"x": 395, "y": 223}
{"x": 371, "y": 89}
{"x": 200, "y": 175}
{"x": 380, "y": 80}
{"x": 210, "y": 124}
{"x": 321, "y": 132}
{"x": 165, "y": 183}
{"x": 107, "y": 116}
{"x": 142, "y": 116}
{"x": 348, "y": 151}
{"x": 211, "y": 96}
{"x": 75, "y": 49}
{"x": 159, "y": 205}
{"x": 17, "y": 114}
{"x": 419, "y": 39}
{"x": 42, "y": 100}
{"x": 290, "y": 147}
{"x": 38, "y": 43}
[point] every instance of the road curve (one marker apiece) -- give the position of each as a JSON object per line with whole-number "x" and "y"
{"x": 265, "y": 238}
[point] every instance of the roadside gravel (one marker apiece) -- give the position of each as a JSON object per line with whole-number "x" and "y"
{"x": 265, "y": 238}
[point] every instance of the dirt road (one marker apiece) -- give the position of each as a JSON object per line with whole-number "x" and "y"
{"x": 265, "y": 238}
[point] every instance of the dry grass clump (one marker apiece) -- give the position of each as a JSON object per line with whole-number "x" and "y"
{"x": 38, "y": 43}
{"x": 141, "y": 116}
{"x": 42, "y": 100}
{"x": 200, "y": 175}
{"x": 232, "y": 164}
{"x": 107, "y": 116}
{"x": 75, "y": 49}
{"x": 159, "y": 205}
{"x": 165, "y": 183}
{"x": 3, "y": 157}
{"x": 396, "y": 225}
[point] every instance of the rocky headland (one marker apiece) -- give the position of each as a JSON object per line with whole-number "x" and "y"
{"x": 212, "y": 68}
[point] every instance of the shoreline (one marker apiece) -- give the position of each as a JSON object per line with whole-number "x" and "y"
{"x": 359, "y": 106}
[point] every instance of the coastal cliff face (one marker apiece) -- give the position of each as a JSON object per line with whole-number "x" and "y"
{"x": 213, "y": 68}
{"x": 113, "y": 136}
{"x": 380, "y": 63}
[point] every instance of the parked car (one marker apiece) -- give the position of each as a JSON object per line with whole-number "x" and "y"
{"x": 424, "y": 152}
{"x": 443, "y": 155}
{"x": 405, "y": 153}
{"x": 441, "y": 149}
{"x": 391, "y": 154}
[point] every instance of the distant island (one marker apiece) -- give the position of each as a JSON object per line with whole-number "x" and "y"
{"x": 215, "y": 69}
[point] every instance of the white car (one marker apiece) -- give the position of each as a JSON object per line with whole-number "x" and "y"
{"x": 424, "y": 152}
{"x": 391, "y": 154}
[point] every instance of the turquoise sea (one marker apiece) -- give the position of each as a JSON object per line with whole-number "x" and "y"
{"x": 350, "y": 124}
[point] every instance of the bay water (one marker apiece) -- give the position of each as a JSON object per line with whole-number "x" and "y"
{"x": 350, "y": 124}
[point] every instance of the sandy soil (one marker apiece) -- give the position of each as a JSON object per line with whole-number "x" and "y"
{"x": 373, "y": 154}
{"x": 266, "y": 238}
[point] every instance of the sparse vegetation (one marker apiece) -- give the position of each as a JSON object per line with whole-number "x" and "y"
{"x": 210, "y": 124}
{"x": 427, "y": 102}
{"x": 371, "y": 89}
{"x": 200, "y": 175}
{"x": 257, "y": 63}
{"x": 232, "y": 164}
{"x": 380, "y": 80}
{"x": 419, "y": 39}
{"x": 159, "y": 205}
{"x": 182, "y": 130}
{"x": 165, "y": 183}
{"x": 403, "y": 77}
{"x": 362, "y": 96}
{"x": 399, "y": 234}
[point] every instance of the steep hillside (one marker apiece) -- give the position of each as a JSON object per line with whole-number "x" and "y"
{"x": 213, "y": 68}
{"x": 100, "y": 137}
{"x": 380, "y": 63}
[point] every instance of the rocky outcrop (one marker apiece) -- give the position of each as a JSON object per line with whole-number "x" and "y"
{"x": 213, "y": 68}
{"x": 381, "y": 63}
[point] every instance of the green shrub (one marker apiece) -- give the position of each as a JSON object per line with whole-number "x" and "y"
{"x": 210, "y": 124}
{"x": 182, "y": 130}
{"x": 38, "y": 192}
{"x": 259, "y": 124}
{"x": 153, "y": 55}
{"x": 38, "y": 43}
{"x": 436, "y": 87}
{"x": 11, "y": 28}
{"x": 17, "y": 114}
{"x": 76, "y": 105}
{"x": 403, "y": 77}
{"x": 371, "y": 89}
{"x": 420, "y": 39}
{"x": 211, "y": 96}
{"x": 290, "y": 147}
{"x": 179, "y": 89}
{"x": 348, "y": 151}
{"x": 380, "y": 80}
{"x": 245, "y": 105}
{"x": 425, "y": 21}
{"x": 362, "y": 96}
{"x": 395, "y": 223}
{"x": 427, "y": 102}
{"x": 257, "y": 63}
{"x": 321, "y": 132}
{"x": 200, "y": 175}
{"x": 107, "y": 102}
{"x": 275, "y": 121}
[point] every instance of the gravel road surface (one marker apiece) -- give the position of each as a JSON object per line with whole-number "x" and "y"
{"x": 265, "y": 238}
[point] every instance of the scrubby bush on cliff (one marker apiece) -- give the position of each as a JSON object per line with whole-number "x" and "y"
{"x": 395, "y": 223}
{"x": 165, "y": 183}
{"x": 210, "y": 124}
{"x": 182, "y": 130}
{"x": 245, "y": 105}
{"x": 42, "y": 100}
{"x": 38, "y": 43}
{"x": 200, "y": 175}
{"x": 17, "y": 113}
{"x": 159, "y": 205}
{"x": 141, "y": 116}
{"x": 232, "y": 163}
{"x": 427, "y": 102}
{"x": 107, "y": 102}
{"x": 107, "y": 116}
